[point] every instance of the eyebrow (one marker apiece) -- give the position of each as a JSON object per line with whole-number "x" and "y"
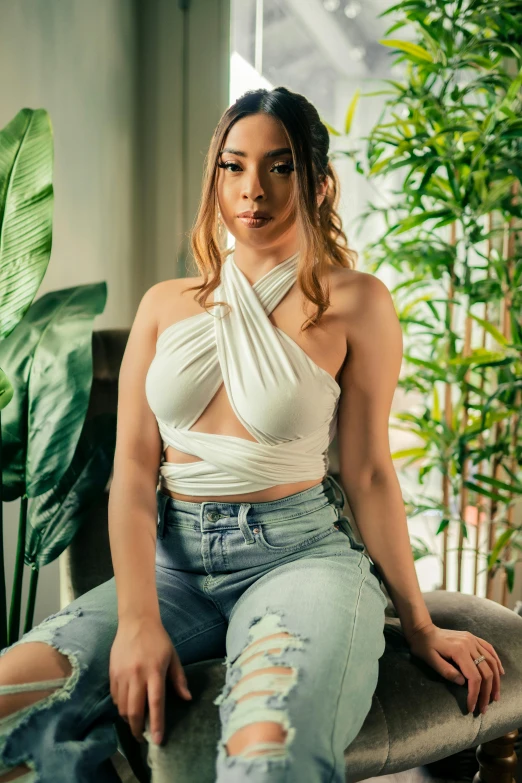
{"x": 269, "y": 154}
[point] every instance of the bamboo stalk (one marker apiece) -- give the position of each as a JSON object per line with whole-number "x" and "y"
{"x": 498, "y": 430}
{"x": 464, "y": 493}
{"x": 481, "y": 500}
{"x": 448, "y": 415}
{"x": 515, "y": 418}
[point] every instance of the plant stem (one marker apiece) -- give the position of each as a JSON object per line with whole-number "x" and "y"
{"x": 16, "y": 595}
{"x": 31, "y": 598}
{"x": 3, "y": 598}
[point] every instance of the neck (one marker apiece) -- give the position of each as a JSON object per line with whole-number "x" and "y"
{"x": 255, "y": 264}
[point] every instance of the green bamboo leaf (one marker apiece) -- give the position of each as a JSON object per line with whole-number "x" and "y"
{"x": 470, "y": 136}
{"x": 351, "y": 111}
{"x": 435, "y": 413}
{"x": 414, "y": 452}
{"x": 377, "y": 167}
{"x": 515, "y": 488}
{"x": 417, "y": 220}
{"x": 435, "y": 368}
{"x": 443, "y": 525}
{"x": 478, "y": 356}
{"x": 409, "y": 48}
{"x": 500, "y": 543}
{"x": 509, "y": 568}
{"x": 26, "y": 211}
{"x": 331, "y": 129}
{"x": 492, "y": 330}
{"x": 486, "y": 492}
{"x": 496, "y": 194}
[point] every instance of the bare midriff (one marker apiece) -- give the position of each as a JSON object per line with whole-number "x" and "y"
{"x": 326, "y": 346}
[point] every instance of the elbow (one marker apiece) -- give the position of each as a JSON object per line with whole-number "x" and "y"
{"x": 368, "y": 477}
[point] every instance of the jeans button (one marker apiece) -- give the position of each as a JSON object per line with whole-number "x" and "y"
{"x": 212, "y": 516}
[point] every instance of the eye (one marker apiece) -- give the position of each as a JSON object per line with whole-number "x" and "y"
{"x": 227, "y": 164}
{"x": 288, "y": 167}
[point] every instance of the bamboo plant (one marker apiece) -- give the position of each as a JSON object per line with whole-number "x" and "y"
{"x": 450, "y": 140}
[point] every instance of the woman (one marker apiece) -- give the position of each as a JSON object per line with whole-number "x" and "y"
{"x": 242, "y": 550}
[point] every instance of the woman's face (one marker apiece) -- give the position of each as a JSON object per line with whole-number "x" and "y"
{"x": 259, "y": 175}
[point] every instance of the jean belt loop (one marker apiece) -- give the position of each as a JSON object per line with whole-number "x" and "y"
{"x": 339, "y": 502}
{"x": 243, "y": 524}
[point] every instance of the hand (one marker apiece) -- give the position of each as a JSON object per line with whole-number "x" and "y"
{"x": 141, "y": 656}
{"x": 435, "y": 645}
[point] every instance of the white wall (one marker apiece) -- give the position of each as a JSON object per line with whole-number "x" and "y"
{"x": 76, "y": 60}
{"x": 134, "y": 90}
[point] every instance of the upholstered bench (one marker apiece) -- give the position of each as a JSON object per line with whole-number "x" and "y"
{"x": 416, "y": 717}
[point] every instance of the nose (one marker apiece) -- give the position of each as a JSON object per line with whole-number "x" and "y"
{"x": 253, "y": 189}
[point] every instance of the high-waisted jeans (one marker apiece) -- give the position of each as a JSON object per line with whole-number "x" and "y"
{"x": 229, "y": 576}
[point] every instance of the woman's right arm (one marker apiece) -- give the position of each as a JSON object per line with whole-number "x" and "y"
{"x": 142, "y": 652}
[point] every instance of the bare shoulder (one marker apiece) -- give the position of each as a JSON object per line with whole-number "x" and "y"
{"x": 362, "y": 298}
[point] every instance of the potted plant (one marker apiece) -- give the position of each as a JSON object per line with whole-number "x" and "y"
{"x": 51, "y": 456}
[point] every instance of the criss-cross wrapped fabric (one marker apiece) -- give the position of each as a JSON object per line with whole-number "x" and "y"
{"x": 281, "y": 396}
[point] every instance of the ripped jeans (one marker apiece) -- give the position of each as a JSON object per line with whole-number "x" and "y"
{"x": 280, "y": 589}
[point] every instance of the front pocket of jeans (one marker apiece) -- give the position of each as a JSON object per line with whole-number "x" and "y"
{"x": 290, "y": 535}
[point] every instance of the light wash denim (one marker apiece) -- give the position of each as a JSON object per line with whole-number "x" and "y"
{"x": 229, "y": 575}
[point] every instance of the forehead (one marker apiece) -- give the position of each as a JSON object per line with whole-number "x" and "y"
{"x": 256, "y": 134}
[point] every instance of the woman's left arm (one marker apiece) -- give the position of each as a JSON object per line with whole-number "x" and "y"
{"x": 368, "y": 382}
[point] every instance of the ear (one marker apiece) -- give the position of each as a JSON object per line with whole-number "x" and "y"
{"x": 321, "y": 191}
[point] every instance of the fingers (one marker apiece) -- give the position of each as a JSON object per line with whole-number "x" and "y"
{"x": 177, "y": 676}
{"x": 480, "y": 676}
{"x": 156, "y": 699}
{"x": 491, "y": 650}
{"x": 136, "y": 707}
{"x": 490, "y": 678}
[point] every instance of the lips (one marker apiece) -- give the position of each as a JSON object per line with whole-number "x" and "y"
{"x": 254, "y": 213}
{"x": 254, "y": 222}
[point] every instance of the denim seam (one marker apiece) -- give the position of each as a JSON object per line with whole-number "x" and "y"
{"x": 293, "y": 547}
{"x": 350, "y": 648}
{"x": 206, "y": 583}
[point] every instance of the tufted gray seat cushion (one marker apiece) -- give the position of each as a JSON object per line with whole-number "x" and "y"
{"x": 416, "y": 715}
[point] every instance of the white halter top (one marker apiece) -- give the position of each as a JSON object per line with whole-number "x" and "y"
{"x": 287, "y": 402}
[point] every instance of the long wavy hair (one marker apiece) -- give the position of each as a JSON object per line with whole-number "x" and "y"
{"x": 322, "y": 240}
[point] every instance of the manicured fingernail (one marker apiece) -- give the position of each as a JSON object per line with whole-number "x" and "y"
{"x": 157, "y": 737}
{"x": 496, "y": 696}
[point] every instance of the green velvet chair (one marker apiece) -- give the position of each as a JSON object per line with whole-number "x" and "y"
{"x": 417, "y": 717}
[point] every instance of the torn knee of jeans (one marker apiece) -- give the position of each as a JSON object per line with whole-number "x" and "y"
{"x": 62, "y": 687}
{"x": 258, "y": 683}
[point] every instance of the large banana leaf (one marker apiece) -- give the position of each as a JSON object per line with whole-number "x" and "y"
{"x": 55, "y": 516}
{"x": 26, "y": 212}
{"x": 48, "y": 358}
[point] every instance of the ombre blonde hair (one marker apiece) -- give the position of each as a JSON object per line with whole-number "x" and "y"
{"x": 322, "y": 240}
